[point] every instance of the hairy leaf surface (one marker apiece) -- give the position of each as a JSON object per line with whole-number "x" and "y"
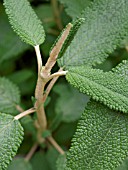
{"x": 61, "y": 162}
{"x": 100, "y": 141}
{"x": 106, "y": 24}
{"x": 11, "y": 135}
{"x": 24, "y": 21}
{"x": 9, "y": 96}
{"x": 124, "y": 165}
{"x": 110, "y": 88}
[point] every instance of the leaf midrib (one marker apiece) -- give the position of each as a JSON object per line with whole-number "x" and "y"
{"x": 110, "y": 91}
{"x": 109, "y": 129}
{"x": 84, "y": 46}
{"x": 7, "y": 125}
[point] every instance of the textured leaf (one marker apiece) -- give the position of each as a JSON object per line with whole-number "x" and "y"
{"x": 105, "y": 26}
{"x": 11, "y": 135}
{"x": 10, "y": 44}
{"x": 61, "y": 162}
{"x": 75, "y": 7}
{"x": 24, "y": 21}
{"x": 9, "y": 96}
{"x": 67, "y": 103}
{"x": 20, "y": 164}
{"x": 124, "y": 165}
{"x": 100, "y": 141}
{"x": 110, "y": 88}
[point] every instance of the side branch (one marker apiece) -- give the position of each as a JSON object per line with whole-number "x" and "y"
{"x": 55, "y": 144}
{"x": 55, "y": 52}
{"x": 31, "y": 152}
{"x": 49, "y": 87}
{"x": 25, "y": 113}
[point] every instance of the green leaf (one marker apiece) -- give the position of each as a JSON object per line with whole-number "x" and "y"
{"x": 19, "y": 164}
{"x": 11, "y": 136}
{"x": 105, "y": 26}
{"x": 75, "y": 7}
{"x": 67, "y": 103}
{"x": 10, "y": 44}
{"x": 9, "y": 96}
{"x": 110, "y": 88}
{"x": 39, "y": 162}
{"x": 21, "y": 76}
{"x": 61, "y": 162}
{"x": 124, "y": 165}
{"x": 51, "y": 157}
{"x": 100, "y": 141}
{"x": 25, "y": 22}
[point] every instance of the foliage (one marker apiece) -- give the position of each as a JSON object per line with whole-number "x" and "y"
{"x": 91, "y": 52}
{"x": 109, "y": 88}
{"x": 100, "y": 144}
{"x": 9, "y": 96}
{"x": 11, "y": 135}
{"x": 29, "y": 27}
{"x": 99, "y": 35}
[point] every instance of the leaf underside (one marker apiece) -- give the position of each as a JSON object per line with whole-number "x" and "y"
{"x": 24, "y": 21}
{"x": 106, "y": 25}
{"x": 110, "y": 88}
{"x": 11, "y": 135}
{"x": 100, "y": 141}
{"x": 9, "y": 96}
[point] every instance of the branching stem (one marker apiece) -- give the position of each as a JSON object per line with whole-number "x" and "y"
{"x": 55, "y": 144}
{"x": 55, "y": 52}
{"x": 25, "y": 113}
{"x": 51, "y": 84}
{"x": 31, "y": 152}
{"x": 39, "y": 105}
{"x": 44, "y": 75}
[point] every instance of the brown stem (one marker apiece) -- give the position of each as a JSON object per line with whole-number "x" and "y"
{"x": 57, "y": 15}
{"x": 31, "y": 152}
{"x": 39, "y": 105}
{"x": 51, "y": 84}
{"x": 55, "y": 52}
{"x": 25, "y": 113}
{"x": 55, "y": 144}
